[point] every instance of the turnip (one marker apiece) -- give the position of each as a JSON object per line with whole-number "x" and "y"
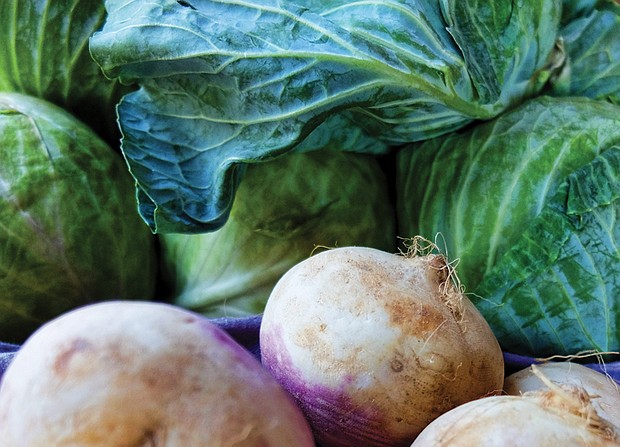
{"x": 604, "y": 391}
{"x": 374, "y": 346}
{"x": 560, "y": 415}
{"x": 129, "y": 374}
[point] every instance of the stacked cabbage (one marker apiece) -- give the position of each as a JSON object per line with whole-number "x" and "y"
{"x": 69, "y": 232}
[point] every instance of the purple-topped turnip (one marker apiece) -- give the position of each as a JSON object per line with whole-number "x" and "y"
{"x": 374, "y": 345}
{"x": 142, "y": 374}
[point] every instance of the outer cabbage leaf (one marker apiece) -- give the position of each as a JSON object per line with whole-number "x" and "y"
{"x": 592, "y": 66}
{"x": 69, "y": 230}
{"x": 573, "y": 9}
{"x": 226, "y": 82}
{"x": 44, "y": 53}
{"x": 559, "y": 283}
{"x": 528, "y": 205}
{"x": 284, "y": 211}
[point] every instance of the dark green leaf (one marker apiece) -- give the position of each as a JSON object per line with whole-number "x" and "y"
{"x": 592, "y": 46}
{"x": 528, "y": 204}
{"x": 224, "y": 83}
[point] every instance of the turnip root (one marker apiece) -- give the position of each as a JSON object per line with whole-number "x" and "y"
{"x": 374, "y": 345}
{"x": 604, "y": 391}
{"x": 138, "y": 374}
{"x": 557, "y": 416}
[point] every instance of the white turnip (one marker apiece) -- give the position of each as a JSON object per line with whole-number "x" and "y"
{"x": 604, "y": 391}
{"x": 560, "y": 415}
{"x": 138, "y": 374}
{"x": 374, "y": 345}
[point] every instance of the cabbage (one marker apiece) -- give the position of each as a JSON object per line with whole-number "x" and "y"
{"x": 69, "y": 230}
{"x": 44, "y": 53}
{"x": 223, "y": 83}
{"x": 529, "y": 205}
{"x": 284, "y": 211}
{"x": 572, "y": 9}
{"x": 592, "y": 65}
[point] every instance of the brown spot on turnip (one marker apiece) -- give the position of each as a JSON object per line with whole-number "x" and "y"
{"x": 62, "y": 360}
{"x": 152, "y": 438}
{"x": 401, "y": 313}
{"x": 396, "y": 365}
{"x": 308, "y": 338}
{"x": 415, "y": 319}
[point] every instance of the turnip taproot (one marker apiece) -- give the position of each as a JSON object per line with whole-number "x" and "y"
{"x": 560, "y": 415}
{"x": 374, "y": 345}
{"x": 142, "y": 374}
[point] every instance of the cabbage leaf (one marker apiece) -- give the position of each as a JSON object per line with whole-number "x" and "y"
{"x": 529, "y": 205}
{"x": 224, "y": 82}
{"x": 45, "y": 54}
{"x": 560, "y": 282}
{"x": 573, "y": 9}
{"x": 592, "y": 65}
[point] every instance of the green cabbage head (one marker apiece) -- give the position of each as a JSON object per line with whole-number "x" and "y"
{"x": 69, "y": 230}
{"x": 528, "y": 204}
{"x": 285, "y": 210}
{"x": 44, "y": 53}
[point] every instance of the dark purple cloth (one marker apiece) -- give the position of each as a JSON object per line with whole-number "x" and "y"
{"x": 7, "y": 352}
{"x": 244, "y": 330}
